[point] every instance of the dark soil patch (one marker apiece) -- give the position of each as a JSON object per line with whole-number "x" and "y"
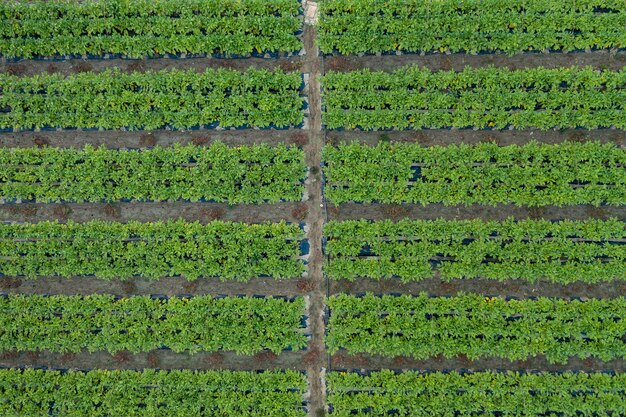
{"x": 72, "y": 66}
{"x": 140, "y": 286}
{"x": 149, "y": 212}
{"x": 117, "y": 139}
{"x": 457, "y": 62}
{"x": 373, "y": 211}
{"x": 514, "y": 288}
{"x": 160, "y": 359}
{"x": 343, "y": 361}
{"x": 444, "y": 137}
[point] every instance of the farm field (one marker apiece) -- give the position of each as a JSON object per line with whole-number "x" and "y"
{"x": 312, "y": 208}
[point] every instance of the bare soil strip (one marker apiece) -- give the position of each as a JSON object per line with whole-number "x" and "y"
{"x": 395, "y": 212}
{"x": 73, "y": 66}
{"x": 159, "y": 359}
{"x": 151, "y": 212}
{"x": 515, "y": 288}
{"x": 171, "y": 287}
{"x": 342, "y": 361}
{"x": 445, "y": 137}
{"x": 597, "y": 59}
{"x": 117, "y": 139}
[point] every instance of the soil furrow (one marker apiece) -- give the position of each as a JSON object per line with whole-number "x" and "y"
{"x": 445, "y": 137}
{"x": 597, "y": 59}
{"x": 151, "y": 212}
{"x": 28, "y": 67}
{"x": 117, "y": 139}
{"x": 374, "y": 211}
{"x": 342, "y": 361}
{"x": 172, "y": 286}
{"x": 515, "y": 288}
{"x": 159, "y": 359}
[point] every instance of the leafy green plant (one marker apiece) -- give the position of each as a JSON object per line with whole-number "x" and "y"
{"x": 148, "y": 28}
{"x": 177, "y": 393}
{"x": 508, "y": 393}
{"x": 107, "y": 250}
{"x": 244, "y": 174}
{"x": 477, "y": 326}
{"x": 142, "y": 324}
{"x": 152, "y": 100}
{"x": 563, "y": 252}
{"x": 534, "y": 174}
{"x": 511, "y": 26}
{"x": 481, "y": 98}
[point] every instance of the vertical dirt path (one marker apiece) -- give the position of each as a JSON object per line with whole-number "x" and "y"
{"x": 315, "y": 358}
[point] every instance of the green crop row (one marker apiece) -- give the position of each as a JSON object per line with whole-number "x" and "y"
{"x": 146, "y": 28}
{"x": 535, "y": 174}
{"x": 480, "y": 98}
{"x": 149, "y": 393}
{"x": 567, "y": 251}
{"x": 511, "y": 26}
{"x": 506, "y": 394}
{"x": 246, "y": 174}
{"x": 468, "y": 324}
{"x": 178, "y": 99}
{"x": 225, "y": 250}
{"x": 142, "y": 324}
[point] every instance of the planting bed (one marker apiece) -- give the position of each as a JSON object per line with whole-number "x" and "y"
{"x": 393, "y": 231}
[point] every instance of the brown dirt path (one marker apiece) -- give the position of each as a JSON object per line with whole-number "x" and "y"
{"x": 150, "y": 212}
{"x": 343, "y": 361}
{"x": 28, "y": 67}
{"x": 159, "y": 359}
{"x": 597, "y": 59}
{"x": 316, "y": 358}
{"x": 118, "y": 139}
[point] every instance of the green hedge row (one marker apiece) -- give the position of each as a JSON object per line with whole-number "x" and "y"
{"x": 109, "y": 250}
{"x": 179, "y": 99}
{"x": 567, "y": 251}
{"x": 476, "y": 326}
{"x": 245, "y": 174}
{"x": 148, "y": 393}
{"x": 534, "y": 174}
{"x": 147, "y": 28}
{"x": 142, "y": 324}
{"x": 504, "y": 394}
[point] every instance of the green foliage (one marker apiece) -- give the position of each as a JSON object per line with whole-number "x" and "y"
{"x": 180, "y": 99}
{"x": 146, "y": 28}
{"x": 475, "y": 326}
{"x": 530, "y": 175}
{"x": 149, "y": 393}
{"x": 246, "y": 174}
{"x": 507, "y": 394}
{"x": 482, "y": 98}
{"x": 511, "y": 26}
{"x": 566, "y": 251}
{"x": 141, "y": 324}
{"x": 109, "y": 250}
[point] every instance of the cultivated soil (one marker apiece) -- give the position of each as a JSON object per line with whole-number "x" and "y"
{"x": 314, "y": 211}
